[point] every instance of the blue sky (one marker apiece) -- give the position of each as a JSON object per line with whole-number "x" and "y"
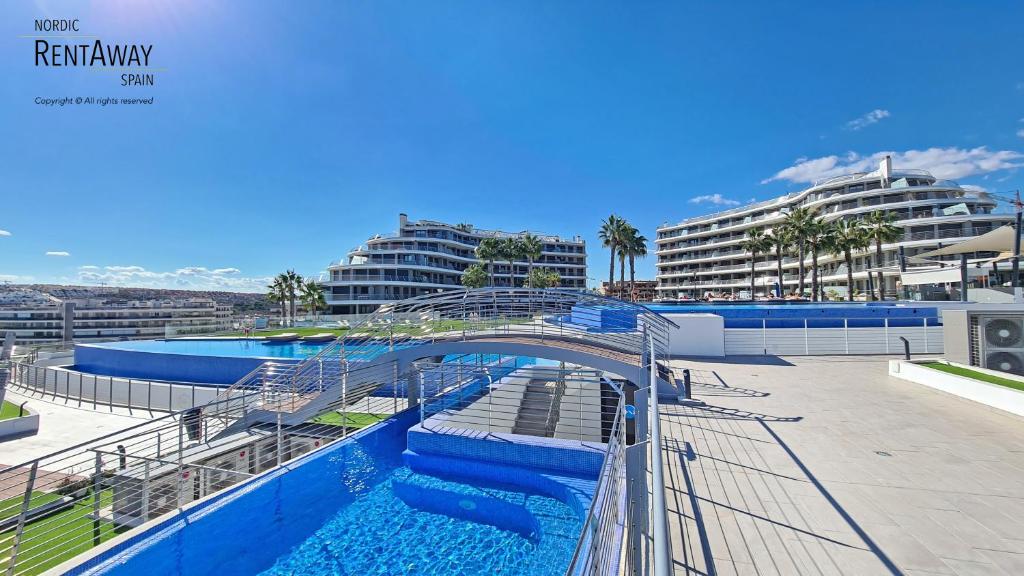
{"x": 283, "y": 134}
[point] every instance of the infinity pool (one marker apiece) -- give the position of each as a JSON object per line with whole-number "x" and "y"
{"x": 229, "y": 347}
{"x": 357, "y": 508}
{"x": 219, "y": 361}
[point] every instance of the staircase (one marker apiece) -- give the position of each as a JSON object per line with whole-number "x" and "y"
{"x": 538, "y": 411}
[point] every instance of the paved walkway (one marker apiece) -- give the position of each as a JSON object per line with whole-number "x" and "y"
{"x": 826, "y": 465}
{"x": 63, "y": 425}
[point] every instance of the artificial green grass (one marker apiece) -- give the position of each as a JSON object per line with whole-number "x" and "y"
{"x": 974, "y": 374}
{"x": 8, "y": 411}
{"x": 304, "y": 331}
{"x": 350, "y": 419}
{"x": 59, "y": 537}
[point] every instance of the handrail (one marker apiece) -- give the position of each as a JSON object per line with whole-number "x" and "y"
{"x": 662, "y": 545}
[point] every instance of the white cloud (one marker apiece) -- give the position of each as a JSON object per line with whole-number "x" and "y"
{"x": 717, "y": 199}
{"x": 947, "y": 163}
{"x": 16, "y": 279}
{"x": 58, "y": 253}
{"x": 187, "y": 278}
{"x": 1020, "y": 132}
{"x": 974, "y": 188}
{"x": 868, "y": 119}
{"x": 4, "y": 233}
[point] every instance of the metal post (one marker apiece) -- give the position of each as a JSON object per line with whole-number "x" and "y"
{"x": 96, "y": 499}
{"x": 687, "y": 390}
{"x": 181, "y": 455}
{"x": 807, "y": 343}
{"x": 963, "y": 277}
{"x": 280, "y": 441}
{"x": 887, "y": 335}
{"x": 20, "y": 531}
{"x": 662, "y": 558}
{"x": 906, "y": 348}
{"x": 926, "y": 350}
{"x": 846, "y": 334}
{"x": 1015, "y": 279}
{"x": 145, "y": 490}
{"x": 764, "y": 335}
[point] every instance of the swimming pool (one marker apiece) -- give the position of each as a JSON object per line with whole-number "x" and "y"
{"x": 358, "y": 507}
{"x": 219, "y": 361}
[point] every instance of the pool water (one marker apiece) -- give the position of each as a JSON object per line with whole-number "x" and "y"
{"x": 356, "y": 508}
{"x": 227, "y": 347}
{"x": 417, "y": 524}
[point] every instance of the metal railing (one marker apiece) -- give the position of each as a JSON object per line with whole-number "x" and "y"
{"x": 59, "y": 384}
{"x": 62, "y": 504}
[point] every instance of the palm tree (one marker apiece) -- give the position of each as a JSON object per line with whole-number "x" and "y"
{"x": 487, "y": 251}
{"x": 475, "y": 276}
{"x": 611, "y": 231}
{"x": 880, "y": 227}
{"x": 816, "y": 232}
{"x": 278, "y": 293}
{"x": 532, "y": 249}
{"x": 846, "y": 236}
{"x": 781, "y": 240}
{"x": 510, "y": 250}
{"x": 755, "y": 243}
{"x": 292, "y": 281}
{"x": 312, "y": 295}
{"x": 636, "y": 247}
{"x": 796, "y": 225}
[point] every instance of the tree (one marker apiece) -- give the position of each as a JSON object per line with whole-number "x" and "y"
{"x": 780, "y": 238}
{"x": 755, "y": 243}
{"x": 312, "y": 295}
{"x": 636, "y": 247}
{"x": 279, "y": 294}
{"x": 475, "y": 276}
{"x": 291, "y": 281}
{"x": 611, "y": 231}
{"x": 544, "y": 278}
{"x": 879, "y": 227}
{"x": 532, "y": 249}
{"x": 510, "y": 250}
{"x": 816, "y": 232}
{"x": 845, "y": 237}
{"x": 487, "y": 251}
{"x": 796, "y": 226}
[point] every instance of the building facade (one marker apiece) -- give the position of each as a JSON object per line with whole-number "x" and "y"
{"x": 703, "y": 254}
{"x": 38, "y": 318}
{"x": 425, "y": 256}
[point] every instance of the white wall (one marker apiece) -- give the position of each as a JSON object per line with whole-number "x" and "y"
{"x": 697, "y": 335}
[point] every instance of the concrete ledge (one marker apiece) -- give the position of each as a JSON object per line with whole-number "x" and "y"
{"x": 21, "y": 426}
{"x": 993, "y": 395}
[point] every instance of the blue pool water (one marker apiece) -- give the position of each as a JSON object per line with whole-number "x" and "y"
{"x": 357, "y": 508}
{"x": 220, "y": 361}
{"x": 418, "y": 524}
{"x": 228, "y": 347}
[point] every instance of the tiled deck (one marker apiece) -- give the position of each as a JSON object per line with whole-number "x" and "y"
{"x": 824, "y": 465}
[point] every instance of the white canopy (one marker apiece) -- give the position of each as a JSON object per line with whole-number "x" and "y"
{"x": 999, "y": 240}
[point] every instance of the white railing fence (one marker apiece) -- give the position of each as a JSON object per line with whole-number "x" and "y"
{"x": 925, "y": 338}
{"x": 57, "y": 384}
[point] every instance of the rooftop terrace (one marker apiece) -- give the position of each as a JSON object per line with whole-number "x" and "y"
{"x": 828, "y": 466}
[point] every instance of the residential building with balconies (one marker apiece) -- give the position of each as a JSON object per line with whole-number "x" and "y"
{"x": 426, "y": 256}
{"x": 703, "y": 254}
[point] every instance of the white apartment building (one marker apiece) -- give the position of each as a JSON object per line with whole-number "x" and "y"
{"x": 427, "y": 256}
{"x": 703, "y": 254}
{"x": 36, "y": 317}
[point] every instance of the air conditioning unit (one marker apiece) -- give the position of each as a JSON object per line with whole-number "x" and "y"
{"x": 1001, "y": 343}
{"x": 985, "y": 338}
